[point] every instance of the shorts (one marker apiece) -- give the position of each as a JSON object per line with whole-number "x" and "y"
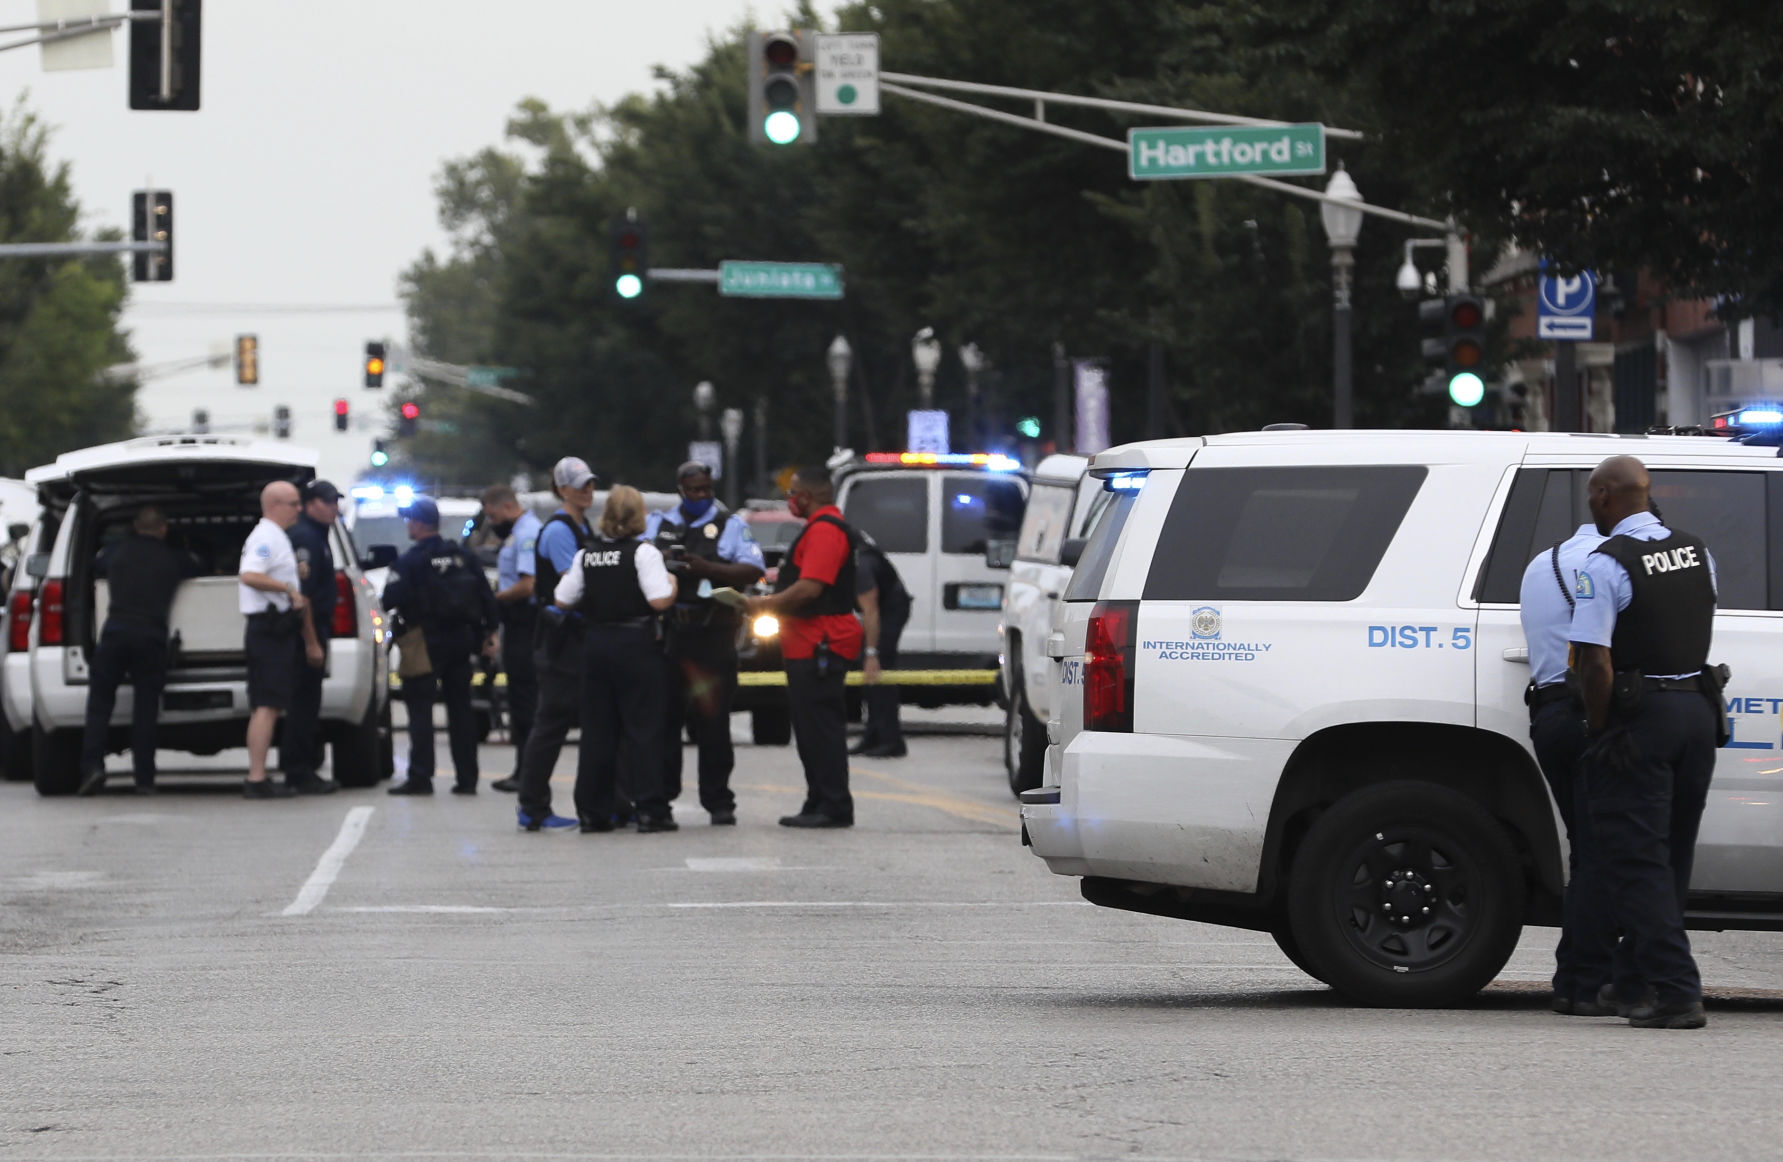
{"x": 274, "y": 661}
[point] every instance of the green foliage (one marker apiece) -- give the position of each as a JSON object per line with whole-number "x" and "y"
{"x": 58, "y": 317}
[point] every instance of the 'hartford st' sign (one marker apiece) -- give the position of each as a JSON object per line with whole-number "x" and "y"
{"x": 1226, "y": 151}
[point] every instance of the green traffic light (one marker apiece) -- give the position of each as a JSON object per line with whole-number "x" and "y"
{"x": 628, "y": 286}
{"x": 380, "y": 458}
{"x": 782, "y": 127}
{"x": 1028, "y": 426}
{"x": 1467, "y": 389}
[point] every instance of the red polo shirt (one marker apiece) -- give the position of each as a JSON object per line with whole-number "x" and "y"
{"x": 820, "y": 555}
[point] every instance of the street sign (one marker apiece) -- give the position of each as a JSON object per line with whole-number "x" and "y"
{"x": 487, "y": 376}
{"x": 780, "y": 280}
{"x": 710, "y": 453}
{"x": 926, "y": 431}
{"x": 848, "y": 74}
{"x": 1566, "y": 305}
{"x": 1225, "y": 151}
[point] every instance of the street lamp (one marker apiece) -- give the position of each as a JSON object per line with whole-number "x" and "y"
{"x": 925, "y": 349}
{"x": 731, "y": 424}
{"x": 841, "y": 359}
{"x": 1342, "y": 225}
{"x": 704, "y": 396}
{"x": 973, "y": 360}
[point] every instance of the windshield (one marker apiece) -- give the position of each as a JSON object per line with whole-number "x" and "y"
{"x": 775, "y": 535}
{"x": 381, "y": 530}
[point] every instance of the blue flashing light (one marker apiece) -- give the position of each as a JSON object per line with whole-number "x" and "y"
{"x": 367, "y": 492}
{"x": 1125, "y": 482}
{"x": 964, "y": 500}
{"x": 1759, "y": 417}
{"x": 403, "y": 494}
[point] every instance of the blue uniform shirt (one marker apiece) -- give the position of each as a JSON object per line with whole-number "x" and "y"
{"x": 558, "y": 546}
{"x": 735, "y": 542}
{"x": 1546, "y": 613}
{"x": 514, "y": 561}
{"x": 1603, "y": 590}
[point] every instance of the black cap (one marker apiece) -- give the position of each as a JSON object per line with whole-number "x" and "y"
{"x": 320, "y": 490}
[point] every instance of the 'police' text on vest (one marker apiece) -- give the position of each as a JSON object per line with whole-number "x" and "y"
{"x": 1670, "y": 561}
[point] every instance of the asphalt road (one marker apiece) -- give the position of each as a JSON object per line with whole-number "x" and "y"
{"x": 195, "y": 976}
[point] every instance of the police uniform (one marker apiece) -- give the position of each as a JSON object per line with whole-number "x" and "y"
{"x": 701, "y": 645}
{"x": 300, "y": 745}
{"x": 273, "y": 638}
{"x": 883, "y": 736}
{"x": 1557, "y": 731}
{"x": 1648, "y": 595}
{"x": 439, "y": 586}
{"x": 624, "y": 695}
{"x": 519, "y": 625}
{"x": 557, "y": 660}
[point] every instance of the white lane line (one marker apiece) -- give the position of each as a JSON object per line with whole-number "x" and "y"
{"x": 886, "y": 904}
{"x": 315, "y": 889}
{"x": 437, "y": 909}
{"x": 736, "y": 864}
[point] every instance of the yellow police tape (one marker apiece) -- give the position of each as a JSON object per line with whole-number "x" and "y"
{"x": 778, "y": 678}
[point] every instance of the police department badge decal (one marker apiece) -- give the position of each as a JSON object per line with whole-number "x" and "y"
{"x": 711, "y": 532}
{"x": 1205, "y": 623}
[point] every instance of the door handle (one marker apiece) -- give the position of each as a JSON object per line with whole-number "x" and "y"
{"x": 1517, "y": 654}
{"x": 1055, "y": 645}
{"x": 1051, "y": 595}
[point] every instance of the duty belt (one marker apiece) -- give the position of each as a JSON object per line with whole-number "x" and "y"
{"x": 1690, "y": 685}
{"x": 1540, "y": 696}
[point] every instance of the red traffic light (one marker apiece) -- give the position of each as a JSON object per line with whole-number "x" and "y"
{"x": 780, "y": 51}
{"x": 1465, "y": 315}
{"x": 411, "y": 410}
{"x": 340, "y": 407}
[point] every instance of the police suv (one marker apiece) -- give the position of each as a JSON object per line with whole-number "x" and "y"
{"x": 1292, "y": 676}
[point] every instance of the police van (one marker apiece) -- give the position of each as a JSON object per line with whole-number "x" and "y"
{"x": 1292, "y": 673}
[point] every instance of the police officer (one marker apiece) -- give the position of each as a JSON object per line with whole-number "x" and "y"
{"x": 439, "y": 586}
{"x": 1641, "y": 632}
{"x": 885, "y": 610}
{"x": 1557, "y": 730}
{"x": 814, "y": 597}
{"x": 277, "y": 637}
{"x": 300, "y": 747}
{"x": 618, "y": 584}
{"x": 706, "y": 547}
{"x": 144, "y": 573}
{"x": 557, "y": 655}
{"x": 518, "y": 530}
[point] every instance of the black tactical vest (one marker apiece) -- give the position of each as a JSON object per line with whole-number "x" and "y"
{"x": 544, "y": 573}
{"x": 837, "y": 598}
{"x": 700, "y": 540}
{"x": 455, "y": 587}
{"x": 1671, "y": 615}
{"x": 611, "y": 591}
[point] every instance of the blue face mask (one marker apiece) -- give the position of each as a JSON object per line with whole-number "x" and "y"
{"x": 692, "y": 510}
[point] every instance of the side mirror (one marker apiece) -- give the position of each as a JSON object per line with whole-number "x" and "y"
{"x": 37, "y": 565}
{"x": 1072, "y": 551}
{"x": 17, "y": 532}
{"x": 378, "y": 557}
{"x": 999, "y": 554}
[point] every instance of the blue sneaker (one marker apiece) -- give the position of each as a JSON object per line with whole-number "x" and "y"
{"x": 547, "y": 822}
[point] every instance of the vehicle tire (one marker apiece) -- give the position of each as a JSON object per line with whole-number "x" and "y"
{"x": 771, "y": 726}
{"x": 356, "y": 752}
{"x": 1024, "y": 744}
{"x": 15, "y": 754}
{"x": 1284, "y": 940}
{"x": 1406, "y": 895}
{"x": 55, "y": 761}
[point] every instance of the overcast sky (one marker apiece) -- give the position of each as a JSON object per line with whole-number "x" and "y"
{"x": 307, "y": 177}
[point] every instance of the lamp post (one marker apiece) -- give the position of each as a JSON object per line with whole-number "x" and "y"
{"x": 973, "y": 360}
{"x": 925, "y": 349}
{"x": 1342, "y": 225}
{"x": 841, "y": 359}
{"x": 731, "y": 424}
{"x": 704, "y": 396}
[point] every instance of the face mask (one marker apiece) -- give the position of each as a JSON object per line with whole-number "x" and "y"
{"x": 501, "y": 528}
{"x": 692, "y": 509}
{"x": 796, "y": 506}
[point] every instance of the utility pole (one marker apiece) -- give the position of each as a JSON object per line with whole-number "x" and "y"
{"x": 1061, "y": 399}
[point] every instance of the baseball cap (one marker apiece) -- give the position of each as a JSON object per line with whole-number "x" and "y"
{"x": 320, "y": 490}
{"x": 572, "y": 472}
{"x": 423, "y": 509}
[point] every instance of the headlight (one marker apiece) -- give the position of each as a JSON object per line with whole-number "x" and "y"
{"x": 767, "y": 625}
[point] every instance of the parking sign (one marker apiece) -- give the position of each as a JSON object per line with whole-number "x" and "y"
{"x": 1566, "y": 305}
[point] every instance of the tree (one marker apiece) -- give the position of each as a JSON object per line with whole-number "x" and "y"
{"x": 58, "y": 317}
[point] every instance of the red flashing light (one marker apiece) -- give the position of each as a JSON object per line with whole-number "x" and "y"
{"x": 411, "y": 410}
{"x": 1721, "y": 421}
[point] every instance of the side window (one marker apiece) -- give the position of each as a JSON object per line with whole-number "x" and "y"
{"x": 1279, "y": 534}
{"x": 1538, "y": 513}
{"x": 1727, "y": 510}
{"x": 1086, "y": 579}
{"x": 1092, "y": 511}
{"x": 1044, "y": 527}
{"x": 893, "y": 510}
{"x": 977, "y": 509}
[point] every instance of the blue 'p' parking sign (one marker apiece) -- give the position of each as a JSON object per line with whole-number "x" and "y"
{"x": 1566, "y": 305}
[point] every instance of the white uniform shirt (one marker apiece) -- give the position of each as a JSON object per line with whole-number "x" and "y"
{"x": 653, "y": 577}
{"x": 267, "y": 550}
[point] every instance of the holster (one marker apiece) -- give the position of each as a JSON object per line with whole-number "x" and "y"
{"x": 1715, "y": 680}
{"x": 1626, "y": 694}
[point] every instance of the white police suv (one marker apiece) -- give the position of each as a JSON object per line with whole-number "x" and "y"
{"x": 1291, "y": 670}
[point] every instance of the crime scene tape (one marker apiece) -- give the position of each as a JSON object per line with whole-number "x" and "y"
{"x": 886, "y": 677}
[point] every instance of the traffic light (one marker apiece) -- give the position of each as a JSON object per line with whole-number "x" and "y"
{"x": 629, "y": 263}
{"x": 247, "y": 360}
{"x": 379, "y": 456}
{"x": 147, "y": 54}
{"x": 281, "y": 422}
{"x": 152, "y": 221}
{"x": 374, "y": 365}
{"x": 1454, "y": 346}
{"x": 783, "y": 87}
{"x": 1028, "y": 427}
{"x": 411, "y": 418}
{"x": 200, "y": 421}
{"x": 340, "y": 415}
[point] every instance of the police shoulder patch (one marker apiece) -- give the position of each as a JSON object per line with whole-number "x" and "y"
{"x": 1585, "y": 589}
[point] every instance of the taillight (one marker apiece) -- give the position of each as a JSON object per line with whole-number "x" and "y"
{"x": 49, "y": 632}
{"x": 1108, "y": 666}
{"x": 18, "y": 638}
{"x": 346, "y": 615}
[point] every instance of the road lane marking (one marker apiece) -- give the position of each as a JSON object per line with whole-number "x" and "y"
{"x": 734, "y": 864}
{"x": 316, "y": 887}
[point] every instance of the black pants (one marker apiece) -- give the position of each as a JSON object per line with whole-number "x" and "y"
{"x": 820, "y": 723}
{"x": 450, "y": 682}
{"x": 140, "y": 654}
{"x": 518, "y": 623}
{"x": 1644, "y": 814}
{"x": 701, "y": 674}
{"x": 624, "y": 703}
{"x": 1588, "y": 930}
{"x": 559, "y": 708}
{"x": 883, "y": 700}
{"x": 300, "y": 744}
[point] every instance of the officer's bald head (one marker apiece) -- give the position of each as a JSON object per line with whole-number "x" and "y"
{"x": 280, "y": 503}
{"x": 1619, "y": 489}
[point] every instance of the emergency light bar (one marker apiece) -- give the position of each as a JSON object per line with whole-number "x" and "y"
{"x": 994, "y": 461}
{"x": 1124, "y": 482}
